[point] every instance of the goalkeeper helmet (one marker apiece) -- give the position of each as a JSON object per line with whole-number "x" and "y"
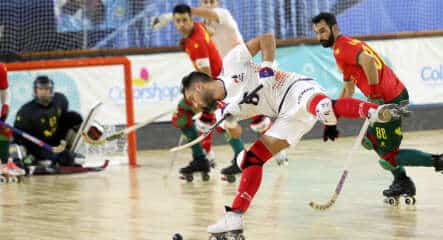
{"x": 43, "y": 90}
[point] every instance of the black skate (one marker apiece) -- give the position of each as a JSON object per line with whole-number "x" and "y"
{"x": 401, "y": 187}
{"x": 230, "y": 171}
{"x": 438, "y": 162}
{"x": 201, "y": 165}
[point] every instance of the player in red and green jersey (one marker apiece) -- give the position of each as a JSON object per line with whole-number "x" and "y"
{"x": 205, "y": 58}
{"x": 363, "y": 67}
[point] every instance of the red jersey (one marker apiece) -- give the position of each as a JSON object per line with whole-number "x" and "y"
{"x": 346, "y": 52}
{"x": 3, "y": 77}
{"x": 201, "y": 48}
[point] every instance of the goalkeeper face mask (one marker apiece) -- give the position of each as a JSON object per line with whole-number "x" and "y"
{"x": 43, "y": 90}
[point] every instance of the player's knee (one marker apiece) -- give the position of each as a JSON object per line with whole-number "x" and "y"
{"x": 260, "y": 124}
{"x": 247, "y": 159}
{"x": 387, "y": 165}
{"x": 325, "y": 112}
{"x": 182, "y": 119}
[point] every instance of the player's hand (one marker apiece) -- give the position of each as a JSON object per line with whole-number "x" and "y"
{"x": 330, "y": 132}
{"x": 231, "y": 112}
{"x": 161, "y": 21}
{"x": 4, "y": 112}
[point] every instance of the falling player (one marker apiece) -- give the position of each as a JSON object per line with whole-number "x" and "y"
{"x": 364, "y": 67}
{"x": 226, "y": 36}
{"x": 295, "y": 101}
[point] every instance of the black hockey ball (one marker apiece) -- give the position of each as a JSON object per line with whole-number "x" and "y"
{"x": 177, "y": 236}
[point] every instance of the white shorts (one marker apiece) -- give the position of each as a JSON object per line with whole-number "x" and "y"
{"x": 294, "y": 119}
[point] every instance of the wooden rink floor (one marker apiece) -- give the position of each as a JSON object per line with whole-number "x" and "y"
{"x": 123, "y": 203}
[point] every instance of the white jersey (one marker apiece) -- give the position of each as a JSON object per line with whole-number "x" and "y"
{"x": 286, "y": 101}
{"x": 226, "y": 34}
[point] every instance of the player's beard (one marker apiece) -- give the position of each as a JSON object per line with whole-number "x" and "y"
{"x": 328, "y": 43}
{"x": 208, "y": 100}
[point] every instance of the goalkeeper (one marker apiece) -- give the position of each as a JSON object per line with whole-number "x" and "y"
{"x": 46, "y": 117}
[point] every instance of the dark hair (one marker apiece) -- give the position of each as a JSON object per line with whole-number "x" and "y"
{"x": 182, "y": 8}
{"x": 192, "y": 78}
{"x": 328, "y": 17}
{"x": 43, "y": 80}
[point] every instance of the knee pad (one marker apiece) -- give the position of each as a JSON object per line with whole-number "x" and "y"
{"x": 246, "y": 159}
{"x": 182, "y": 119}
{"x": 260, "y": 124}
{"x": 325, "y": 112}
{"x": 386, "y": 165}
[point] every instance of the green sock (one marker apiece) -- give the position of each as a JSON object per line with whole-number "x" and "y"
{"x": 412, "y": 157}
{"x": 191, "y": 133}
{"x": 236, "y": 143}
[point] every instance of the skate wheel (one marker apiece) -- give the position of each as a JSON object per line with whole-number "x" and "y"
{"x": 241, "y": 237}
{"x": 409, "y": 200}
{"x": 188, "y": 178}
{"x": 13, "y": 179}
{"x": 392, "y": 201}
{"x": 205, "y": 177}
{"x": 3, "y": 180}
{"x": 230, "y": 178}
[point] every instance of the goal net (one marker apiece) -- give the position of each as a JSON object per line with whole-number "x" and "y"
{"x": 85, "y": 82}
{"x": 35, "y": 25}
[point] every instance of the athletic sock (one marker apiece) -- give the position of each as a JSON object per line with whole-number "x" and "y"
{"x": 251, "y": 176}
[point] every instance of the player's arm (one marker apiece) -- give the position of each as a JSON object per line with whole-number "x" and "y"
{"x": 205, "y": 13}
{"x": 200, "y": 56}
{"x": 369, "y": 65}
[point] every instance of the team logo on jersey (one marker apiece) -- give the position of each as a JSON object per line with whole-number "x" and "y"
{"x": 354, "y": 42}
{"x": 238, "y": 78}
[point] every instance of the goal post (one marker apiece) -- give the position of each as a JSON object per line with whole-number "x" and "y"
{"x": 83, "y": 64}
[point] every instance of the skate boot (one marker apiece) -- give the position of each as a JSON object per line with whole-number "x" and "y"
{"x": 402, "y": 186}
{"x": 387, "y": 112}
{"x": 200, "y": 164}
{"x": 211, "y": 157}
{"x": 229, "y": 227}
{"x": 281, "y": 158}
{"x": 438, "y": 162}
{"x": 11, "y": 173}
{"x": 230, "y": 171}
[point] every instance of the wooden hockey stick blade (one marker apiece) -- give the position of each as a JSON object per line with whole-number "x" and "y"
{"x": 60, "y": 148}
{"x": 189, "y": 144}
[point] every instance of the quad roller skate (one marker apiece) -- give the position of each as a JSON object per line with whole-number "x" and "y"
{"x": 438, "y": 162}
{"x": 10, "y": 173}
{"x": 229, "y": 227}
{"x": 230, "y": 171}
{"x": 201, "y": 165}
{"x": 401, "y": 187}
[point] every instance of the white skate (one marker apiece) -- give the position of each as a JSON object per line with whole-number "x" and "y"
{"x": 11, "y": 173}
{"x": 281, "y": 158}
{"x": 229, "y": 227}
{"x": 387, "y": 112}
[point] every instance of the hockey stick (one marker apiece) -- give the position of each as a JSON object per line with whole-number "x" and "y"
{"x": 342, "y": 180}
{"x": 247, "y": 98}
{"x": 173, "y": 157}
{"x": 57, "y": 149}
{"x": 123, "y": 132}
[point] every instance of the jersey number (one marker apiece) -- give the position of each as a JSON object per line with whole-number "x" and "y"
{"x": 381, "y": 133}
